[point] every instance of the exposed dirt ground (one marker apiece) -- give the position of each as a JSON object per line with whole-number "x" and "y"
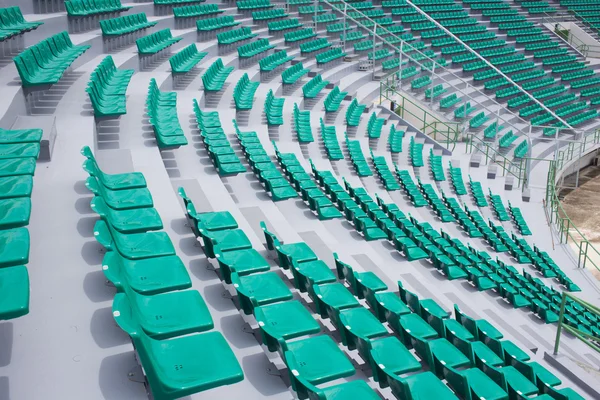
{"x": 582, "y": 205}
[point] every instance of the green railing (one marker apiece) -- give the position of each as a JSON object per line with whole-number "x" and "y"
{"x": 586, "y": 49}
{"x": 586, "y": 252}
{"x": 588, "y": 339}
{"x": 446, "y": 133}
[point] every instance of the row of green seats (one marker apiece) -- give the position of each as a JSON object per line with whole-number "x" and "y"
{"x": 156, "y": 42}
{"x": 299, "y": 35}
{"x": 352, "y": 36}
{"x": 437, "y": 91}
{"x": 317, "y": 202}
{"x": 478, "y": 120}
{"x": 162, "y": 113}
{"x": 13, "y": 23}
{"x": 45, "y": 63}
{"x": 197, "y": 10}
{"x": 314, "y": 45}
{"x": 235, "y": 35}
{"x": 435, "y": 166}
{"x": 107, "y": 89}
{"x": 395, "y": 140}
{"x": 519, "y": 220}
{"x": 286, "y": 24}
{"x": 354, "y": 113}
{"x": 330, "y": 141}
{"x": 266, "y": 15}
{"x": 274, "y": 109}
{"x": 294, "y": 73}
{"x": 312, "y": 88}
{"x": 243, "y": 93}
{"x": 379, "y": 54}
{"x": 358, "y": 158}
{"x": 124, "y": 25}
{"x": 418, "y": 200}
{"x": 263, "y": 168}
{"x": 521, "y": 149}
{"x": 302, "y": 125}
{"x": 374, "y": 126}
{"x": 307, "y": 10}
{"x": 174, "y": 2}
{"x": 255, "y": 48}
{"x": 215, "y": 76}
{"x": 273, "y": 61}
{"x": 436, "y": 203}
{"x": 338, "y": 27}
{"x": 415, "y": 153}
{"x": 19, "y": 150}
{"x": 324, "y": 18}
{"x": 216, "y": 23}
{"x": 334, "y": 99}
{"x": 498, "y": 207}
{"x": 507, "y": 139}
{"x": 85, "y": 8}
{"x": 385, "y": 174}
{"x": 216, "y": 143}
{"x": 186, "y": 59}
{"x": 247, "y": 5}
{"x": 477, "y": 193}
{"x": 316, "y": 359}
{"x": 149, "y": 278}
{"x": 457, "y": 180}
{"x": 329, "y": 56}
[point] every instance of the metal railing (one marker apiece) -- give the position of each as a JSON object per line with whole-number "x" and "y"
{"x": 567, "y": 35}
{"x": 443, "y": 132}
{"x": 566, "y": 229}
{"x": 591, "y": 340}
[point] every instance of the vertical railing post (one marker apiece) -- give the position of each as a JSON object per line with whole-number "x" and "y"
{"x": 374, "y": 47}
{"x": 561, "y": 315}
{"x": 344, "y": 26}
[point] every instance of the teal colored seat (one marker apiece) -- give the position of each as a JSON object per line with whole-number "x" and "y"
{"x": 16, "y": 186}
{"x": 17, "y": 166}
{"x": 389, "y": 307}
{"x": 388, "y": 356}
{"x": 420, "y": 386}
{"x": 166, "y": 315}
{"x": 412, "y": 325}
{"x": 14, "y": 286}
{"x": 136, "y": 220}
{"x": 20, "y": 136}
{"x": 225, "y": 240}
{"x": 315, "y": 360}
{"x": 134, "y": 246}
{"x": 148, "y": 276}
{"x": 473, "y": 384}
{"x": 259, "y": 289}
{"x": 14, "y": 247}
{"x": 215, "y": 221}
{"x": 332, "y": 297}
{"x": 357, "y": 326}
{"x": 284, "y": 321}
{"x": 14, "y": 213}
{"x": 312, "y": 272}
{"x": 120, "y": 199}
{"x": 130, "y": 180}
{"x": 184, "y": 365}
{"x": 242, "y": 262}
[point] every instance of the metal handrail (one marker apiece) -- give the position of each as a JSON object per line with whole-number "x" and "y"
{"x": 583, "y": 336}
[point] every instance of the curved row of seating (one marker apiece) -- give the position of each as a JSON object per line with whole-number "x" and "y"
{"x": 13, "y": 23}
{"x": 330, "y": 141}
{"x": 302, "y": 125}
{"x": 85, "y": 8}
{"x": 162, "y": 113}
{"x": 45, "y": 62}
{"x": 125, "y": 25}
{"x": 263, "y": 168}
{"x": 358, "y": 158}
{"x": 243, "y": 93}
{"x": 151, "y": 279}
{"x": 216, "y": 143}
{"x": 107, "y": 88}
{"x": 156, "y": 42}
